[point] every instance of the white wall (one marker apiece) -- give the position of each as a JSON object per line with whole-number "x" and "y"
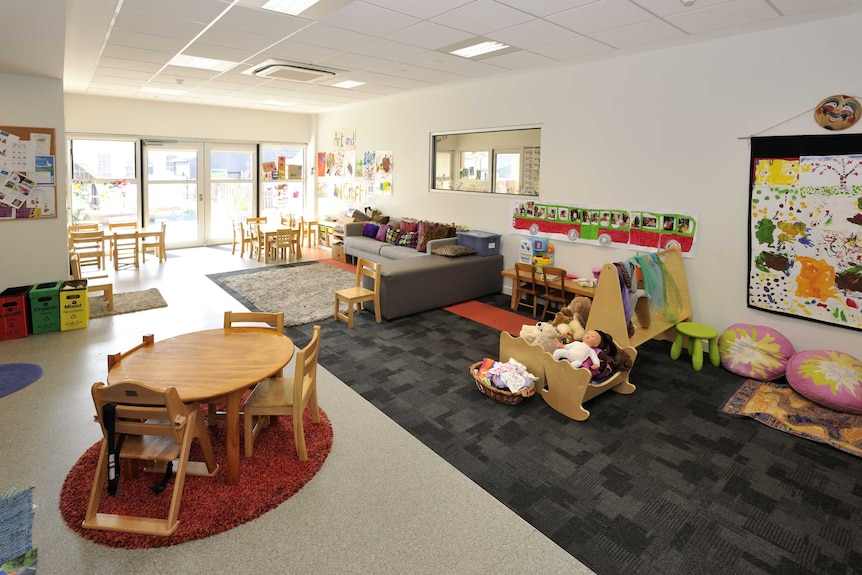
{"x": 658, "y": 130}
{"x": 99, "y": 115}
{"x": 34, "y": 251}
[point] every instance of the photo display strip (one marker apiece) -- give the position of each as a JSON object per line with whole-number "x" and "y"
{"x": 645, "y": 230}
{"x": 805, "y": 232}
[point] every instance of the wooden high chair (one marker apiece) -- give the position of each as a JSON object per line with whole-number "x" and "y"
{"x": 157, "y": 428}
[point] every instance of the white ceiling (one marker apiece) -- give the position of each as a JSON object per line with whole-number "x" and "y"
{"x": 117, "y": 47}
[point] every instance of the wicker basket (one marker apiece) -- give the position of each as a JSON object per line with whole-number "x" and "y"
{"x": 501, "y": 395}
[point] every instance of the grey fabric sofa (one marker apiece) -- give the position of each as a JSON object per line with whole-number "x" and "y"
{"x": 413, "y": 282}
{"x": 358, "y": 246}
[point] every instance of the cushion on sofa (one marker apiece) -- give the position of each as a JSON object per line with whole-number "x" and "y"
{"x": 454, "y": 251}
{"x": 755, "y": 351}
{"x": 830, "y": 378}
{"x": 370, "y": 229}
{"x": 392, "y": 235}
{"x": 407, "y": 239}
{"x": 409, "y": 225}
{"x": 381, "y": 233}
{"x": 424, "y": 232}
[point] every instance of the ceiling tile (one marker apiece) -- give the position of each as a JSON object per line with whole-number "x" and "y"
{"x": 204, "y": 50}
{"x": 104, "y": 71}
{"x": 422, "y": 9}
{"x": 640, "y": 34}
{"x": 202, "y": 11}
{"x": 146, "y": 21}
{"x": 791, "y": 7}
{"x": 330, "y": 37}
{"x": 481, "y": 17}
{"x": 454, "y": 64}
{"x": 429, "y": 35}
{"x": 257, "y": 21}
{"x": 237, "y": 39}
{"x": 132, "y": 65}
{"x": 388, "y": 49}
{"x": 368, "y": 19}
{"x": 546, "y": 7}
{"x": 352, "y": 61}
{"x": 602, "y": 15}
{"x": 723, "y": 16}
{"x": 298, "y": 52}
{"x": 570, "y": 49}
{"x": 145, "y": 41}
{"x": 532, "y": 33}
{"x": 668, "y": 7}
{"x": 171, "y": 80}
{"x": 184, "y": 72}
{"x": 519, "y": 60}
{"x": 115, "y": 81}
{"x": 127, "y": 53}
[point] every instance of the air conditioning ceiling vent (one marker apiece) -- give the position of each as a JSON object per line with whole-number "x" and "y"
{"x": 280, "y": 70}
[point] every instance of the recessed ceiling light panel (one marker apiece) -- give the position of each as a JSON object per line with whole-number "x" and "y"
{"x": 348, "y": 84}
{"x": 479, "y": 49}
{"x": 201, "y": 63}
{"x": 292, "y": 7}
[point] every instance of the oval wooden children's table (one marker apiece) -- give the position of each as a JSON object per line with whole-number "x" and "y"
{"x": 208, "y": 365}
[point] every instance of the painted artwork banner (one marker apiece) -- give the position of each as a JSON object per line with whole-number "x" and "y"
{"x": 805, "y": 230}
{"x": 616, "y": 227}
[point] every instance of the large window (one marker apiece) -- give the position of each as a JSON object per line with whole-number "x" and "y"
{"x": 105, "y": 183}
{"x": 496, "y": 161}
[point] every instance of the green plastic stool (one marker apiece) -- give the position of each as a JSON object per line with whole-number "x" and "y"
{"x": 696, "y": 332}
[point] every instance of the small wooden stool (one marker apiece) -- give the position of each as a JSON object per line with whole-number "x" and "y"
{"x": 696, "y": 333}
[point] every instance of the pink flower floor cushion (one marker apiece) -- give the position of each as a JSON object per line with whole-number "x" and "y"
{"x": 830, "y": 378}
{"x": 754, "y": 351}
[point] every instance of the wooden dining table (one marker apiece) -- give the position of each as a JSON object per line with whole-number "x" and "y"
{"x": 269, "y": 232}
{"x": 209, "y": 365}
{"x": 140, "y": 234}
{"x": 571, "y": 286}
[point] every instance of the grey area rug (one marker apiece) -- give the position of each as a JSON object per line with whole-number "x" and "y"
{"x": 127, "y": 302}
{"x": 305, "y": 292}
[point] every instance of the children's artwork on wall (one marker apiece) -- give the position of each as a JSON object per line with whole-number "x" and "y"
{"x": 383, "y": 173}
{"x": 805, "y": 228}
{"x": 349, "y": 161}
{"x": 369, "y": 166}
{"x": 338, "y": 170}
{"x": 630, "y": 228}
{"x": 321, "y": 164}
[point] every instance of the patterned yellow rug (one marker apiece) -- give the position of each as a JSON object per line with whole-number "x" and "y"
{"x": 779, "y": 406}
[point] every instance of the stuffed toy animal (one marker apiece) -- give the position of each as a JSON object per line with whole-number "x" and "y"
{"x": 577, "y": 353}
{"x": 569, "y": 329}
{"x": 580, "y": 307}
{"x": 542, "y": 334}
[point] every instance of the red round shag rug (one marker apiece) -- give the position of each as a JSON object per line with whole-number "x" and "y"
{"x": 208, "y": 506}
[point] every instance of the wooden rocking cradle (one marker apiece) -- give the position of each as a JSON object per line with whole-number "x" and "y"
{"x": 565, "y": 387}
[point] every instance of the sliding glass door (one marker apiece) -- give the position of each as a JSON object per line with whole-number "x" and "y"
{"x": 198, "y": 189}
{"x": 231, "y": 188}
